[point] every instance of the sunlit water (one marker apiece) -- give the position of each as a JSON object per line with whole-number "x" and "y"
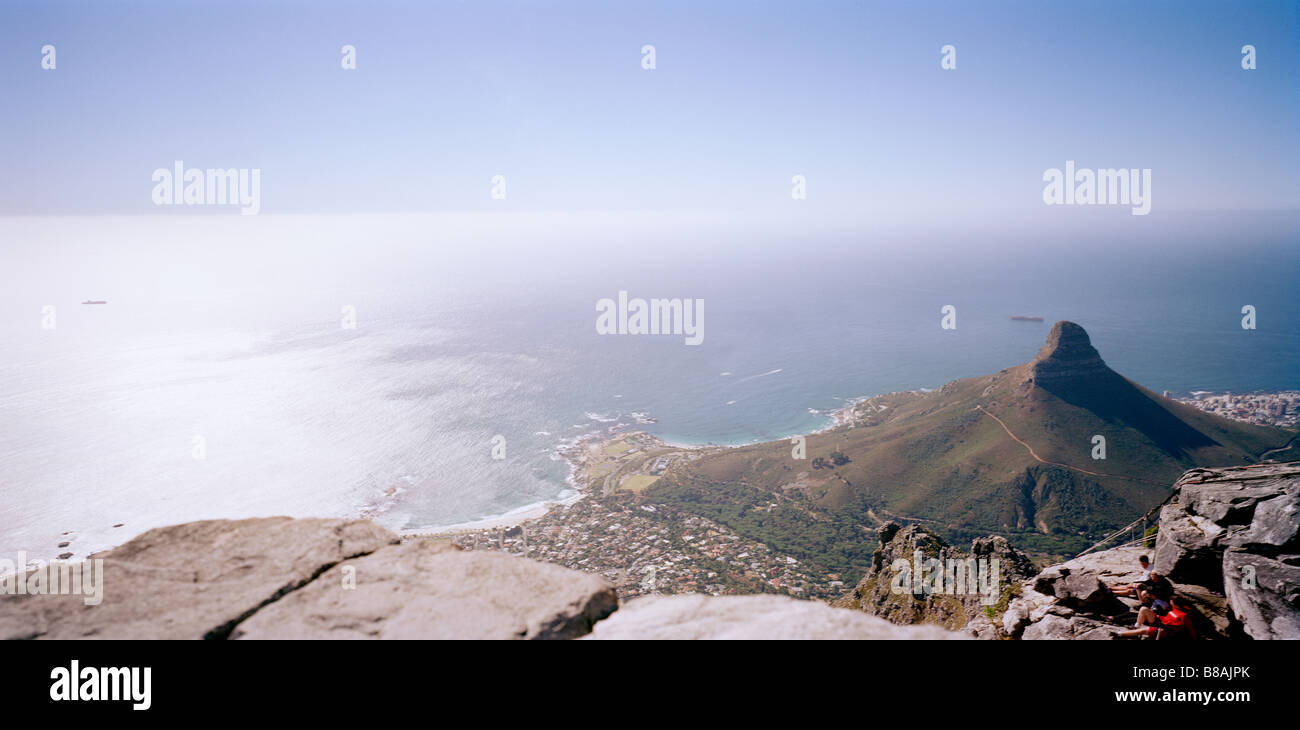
{"x": 220, "y": 381}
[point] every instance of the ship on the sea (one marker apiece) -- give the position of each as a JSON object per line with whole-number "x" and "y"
{"x": 1023, "y": 318}
{"x": 94, "y": 301}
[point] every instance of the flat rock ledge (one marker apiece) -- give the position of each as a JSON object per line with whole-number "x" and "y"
{"x": 750, "y": 617}
{"x": 282, "y": 578}
{"x": 428, "y": 590}
{"x": 193, "y": 581}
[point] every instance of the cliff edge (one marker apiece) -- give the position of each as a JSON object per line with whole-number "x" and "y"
{"x": 1229, "y": 540}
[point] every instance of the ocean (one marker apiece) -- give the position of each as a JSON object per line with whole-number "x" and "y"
{"x": 222, "y": 378}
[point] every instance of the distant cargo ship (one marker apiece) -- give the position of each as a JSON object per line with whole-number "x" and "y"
{"x": 1022, "y": 318}
{"x": 94, "y": 301}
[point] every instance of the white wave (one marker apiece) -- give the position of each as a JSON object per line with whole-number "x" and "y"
{"x": 761, "y": 375}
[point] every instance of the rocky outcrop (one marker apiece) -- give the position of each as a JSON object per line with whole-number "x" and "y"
{"x": 891, "y": 589}
{"x": 1014, "y": 563}
{"x": 279, "y": 578}
{"x": 1264, "y": 594}
{"x": 749, "y": 617}
{"x": 1071, "y": 600}
{"x": 1255, "y": 509}
{"x": 1236, "y": 531}
{"x": 1068, "y": 353}
{"x": 1068, "y": 626}
{"x": 1227, "y": 540}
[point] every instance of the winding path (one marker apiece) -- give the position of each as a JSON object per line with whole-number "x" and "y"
{"x": 1055, "y": 463}
{"x": 1285, "y": 447}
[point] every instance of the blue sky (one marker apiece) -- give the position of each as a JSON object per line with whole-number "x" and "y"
{"x": 745, "y": 94}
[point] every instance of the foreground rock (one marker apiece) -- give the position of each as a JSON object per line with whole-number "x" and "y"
{"x": 284, "y": 578}
{"x": 1227, "y": 540}
{"x": 279, "y": 578}
{"x": 749, "y": 617}
{"x": 1254, "y": 509}
{"x": 1268, "y": 604}
{"x": 430, "y": 590}
{"x": 193, "y": 581}
{"x": 1071, "y": 600}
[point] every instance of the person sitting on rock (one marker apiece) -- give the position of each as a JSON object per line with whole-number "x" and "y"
{"x": 1159, "y": 586}
{"x": 1149, "y": 602}
{"x": 1179, "y": 627}
{"x": 1173, "y": 624}
{"x": 1130, "y": 589}
{"x": 1148, "y": 598}
{"x": 1147, "y": 619}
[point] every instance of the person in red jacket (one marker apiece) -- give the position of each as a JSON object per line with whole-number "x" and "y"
{"x": 1173, "y": 624}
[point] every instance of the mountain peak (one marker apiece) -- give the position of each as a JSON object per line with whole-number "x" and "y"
{"x": 1067, "y": 353}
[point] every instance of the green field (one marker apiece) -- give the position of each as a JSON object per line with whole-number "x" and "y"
{"x": 618, "y": 448}
{"x": 638, "y": 482}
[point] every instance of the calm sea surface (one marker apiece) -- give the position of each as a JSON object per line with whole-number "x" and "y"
{"x": 220, "y": 382}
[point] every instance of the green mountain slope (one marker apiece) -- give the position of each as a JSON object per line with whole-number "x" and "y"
{"x": 1010, "y": 453}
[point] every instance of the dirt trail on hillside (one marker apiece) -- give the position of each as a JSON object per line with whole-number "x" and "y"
{"x": 1040, "y": 459}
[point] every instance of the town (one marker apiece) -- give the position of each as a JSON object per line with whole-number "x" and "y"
{"x": 644, "y": 546}
{"x": 1263, "y": 409}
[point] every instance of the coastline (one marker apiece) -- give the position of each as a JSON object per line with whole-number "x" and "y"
{"x": 580, "y": 456}
{"x": 513, "y": 518}
{"x": 574, "y": 454}
{"x": 569, "y": 527}
{"x": 586, "y": 451}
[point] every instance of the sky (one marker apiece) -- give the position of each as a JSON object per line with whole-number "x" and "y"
{"x": 743, "y": 96}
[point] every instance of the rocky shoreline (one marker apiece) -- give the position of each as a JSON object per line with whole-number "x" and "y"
{"x": 595, "y": 470}
{"x": 643, "y": 547}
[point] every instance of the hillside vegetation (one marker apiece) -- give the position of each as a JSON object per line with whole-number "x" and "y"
{"x": 1009, "y": 453}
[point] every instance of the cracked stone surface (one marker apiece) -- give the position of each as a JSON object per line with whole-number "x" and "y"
{"x": 429, "y": 590}
{"x": 195, "y": 580}
{"x": 282, "y": 578}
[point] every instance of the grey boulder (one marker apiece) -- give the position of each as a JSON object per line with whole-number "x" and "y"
{"x": 430, "y": 590}
{"x": 1264, "y": 594}
{"x": 750, "y": 617}
{"x": 193, "y": 581}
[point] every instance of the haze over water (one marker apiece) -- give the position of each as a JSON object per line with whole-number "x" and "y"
{"x": 468, "y": 327}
